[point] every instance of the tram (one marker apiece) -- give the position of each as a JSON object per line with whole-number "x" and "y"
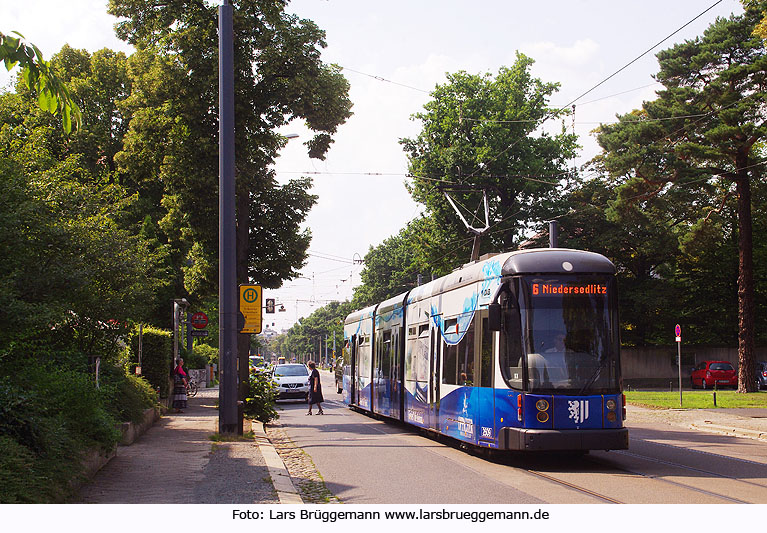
{"x": 516, "y": 351}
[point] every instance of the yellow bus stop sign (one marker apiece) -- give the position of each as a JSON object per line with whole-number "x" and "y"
{"x": 250, "y": 307}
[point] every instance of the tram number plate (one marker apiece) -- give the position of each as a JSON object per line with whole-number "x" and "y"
{"x": 487, "y": 432}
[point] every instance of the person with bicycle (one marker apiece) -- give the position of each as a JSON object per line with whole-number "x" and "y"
{"x": 180, "y": 382}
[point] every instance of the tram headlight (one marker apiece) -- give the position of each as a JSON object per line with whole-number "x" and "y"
{"x": 542, "y": 405}
{"x": 611, "y": 416}
{"x": 543, "y": 417}
{"x": 610, "y": 404}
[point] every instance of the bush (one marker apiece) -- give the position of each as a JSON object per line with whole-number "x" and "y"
{"x": 48, "y": 417}
{"x": 195, "y": 360}
{"x": 157, "y": 353}
{"x": 262, "y": 398}
{"x": 126, "y": 396}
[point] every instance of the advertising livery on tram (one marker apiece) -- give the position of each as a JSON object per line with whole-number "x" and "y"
{"x": 517, "y": 351}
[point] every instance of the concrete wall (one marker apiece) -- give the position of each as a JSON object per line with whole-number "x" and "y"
{"x": 657, "y": 366}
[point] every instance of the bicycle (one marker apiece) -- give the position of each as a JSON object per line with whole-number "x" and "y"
{"x": 191, "y": 388}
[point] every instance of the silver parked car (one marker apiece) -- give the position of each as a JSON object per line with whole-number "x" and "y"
{"x": 292, "y": 381}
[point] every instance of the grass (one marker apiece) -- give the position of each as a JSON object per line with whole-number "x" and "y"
{"x": 245, "y": 437}
{"x": 696, "y": 399}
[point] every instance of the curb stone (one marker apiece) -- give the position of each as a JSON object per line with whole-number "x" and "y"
{"x": 736, "y": 432}
{"x": 301, "y": 469}
{"x": 283, "y": 484}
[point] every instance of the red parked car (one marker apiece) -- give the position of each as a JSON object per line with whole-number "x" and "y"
{"x": 709, "y": 373}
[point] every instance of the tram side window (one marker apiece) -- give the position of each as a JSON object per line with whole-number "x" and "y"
{"x": 511, "y": 339}
{"x": 466, "y": 357}
{"x": 422, "y": 354}
{"x": 486, "y": 368}
{"x": 450, "y": 357}
{"x": 386, "y": 355}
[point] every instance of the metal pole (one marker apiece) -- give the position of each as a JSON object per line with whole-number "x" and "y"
{"x": 553, "y": 234}
{"x": 188, "y": 325}
{"x": 228, "y": 417}
{"x": 679, "y": 356}
{"x": 175, "y": 331}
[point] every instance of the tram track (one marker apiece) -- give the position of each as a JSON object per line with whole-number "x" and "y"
{"x": 661, "y": 479}
{"x": 577, "y": 488}
{"x": 686, "y": 467}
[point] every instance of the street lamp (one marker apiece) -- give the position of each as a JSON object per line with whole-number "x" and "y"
{"x": 179, "y": 304}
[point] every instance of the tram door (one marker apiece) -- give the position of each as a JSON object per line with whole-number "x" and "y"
{"x": 485, "y": 391}
{"x": 353, "y": 371}
{"x": 435, "y": 352}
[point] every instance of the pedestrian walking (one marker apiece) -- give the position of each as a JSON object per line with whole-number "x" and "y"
{"x": 315, "y": 389}
{"x": 180, "y": 380}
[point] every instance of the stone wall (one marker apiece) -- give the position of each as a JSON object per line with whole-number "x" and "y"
{"x": 657, "y": 366}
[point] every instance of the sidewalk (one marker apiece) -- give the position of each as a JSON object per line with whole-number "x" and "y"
{"x": 747, "y": 423}
{"x": 176, "y": 462}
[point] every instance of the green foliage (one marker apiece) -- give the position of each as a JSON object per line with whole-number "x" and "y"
{"x": 301, "y": 339}
{"x": 156, "y": 358}
{"x": 207, "y": 353}
{"x": 48, "y": 416}
{"x": 261, "y": 398}
{"x": 52, "y": 94}
{"x": 392, "y": 267}
{"x": 478, "y": 133}
{"x": 126, "y": 395}
{"x": 685, "y": 165}
{"x": 170, "y": 153}
{"x": 194, "y": 360}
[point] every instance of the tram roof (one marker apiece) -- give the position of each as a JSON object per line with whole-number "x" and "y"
{"x": 392, "y": 303}
{"x": 556, "y": 261}
{"x": 532, "y": 261}
{"x": 362, "y": 314}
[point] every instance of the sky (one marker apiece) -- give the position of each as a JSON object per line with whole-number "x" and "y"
{"x": 393, "y": 54}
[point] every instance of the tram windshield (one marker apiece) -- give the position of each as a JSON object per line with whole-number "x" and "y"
{"x": 560, "y": 335}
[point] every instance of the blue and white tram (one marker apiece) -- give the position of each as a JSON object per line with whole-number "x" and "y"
{"x": 519, "y": 351}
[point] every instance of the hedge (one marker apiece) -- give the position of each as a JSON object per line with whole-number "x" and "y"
{"x": 156, "y": 358}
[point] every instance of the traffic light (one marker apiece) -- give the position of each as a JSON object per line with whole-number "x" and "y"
{"x": 270, "y": 305}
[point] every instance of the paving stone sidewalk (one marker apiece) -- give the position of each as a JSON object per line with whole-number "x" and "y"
{"x": 176, "y": 462}
{"x": 749, "y": 423}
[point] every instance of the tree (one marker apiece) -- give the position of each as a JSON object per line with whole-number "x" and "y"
{"x": 303, "y": 338}
{"x": 761, "y": 28}
{"x": 171, "y": 150}
{"x": 699, "y": 143}
{"x": 392, "y": 267}
{"x": 480, "y": 132}
{"x": 52, "y": 93}
{"x": 640, "y": 239}
{"x": 72, "y": 276}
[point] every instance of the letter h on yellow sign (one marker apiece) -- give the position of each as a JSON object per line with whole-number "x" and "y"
{"x": 250, "y": 307}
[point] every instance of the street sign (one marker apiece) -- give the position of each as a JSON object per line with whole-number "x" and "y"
{"x": 250, "y": 307}
{"x": 199, "y": 333}
{"x": 199, "y": 320}
{"x": 678, "y": 333}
